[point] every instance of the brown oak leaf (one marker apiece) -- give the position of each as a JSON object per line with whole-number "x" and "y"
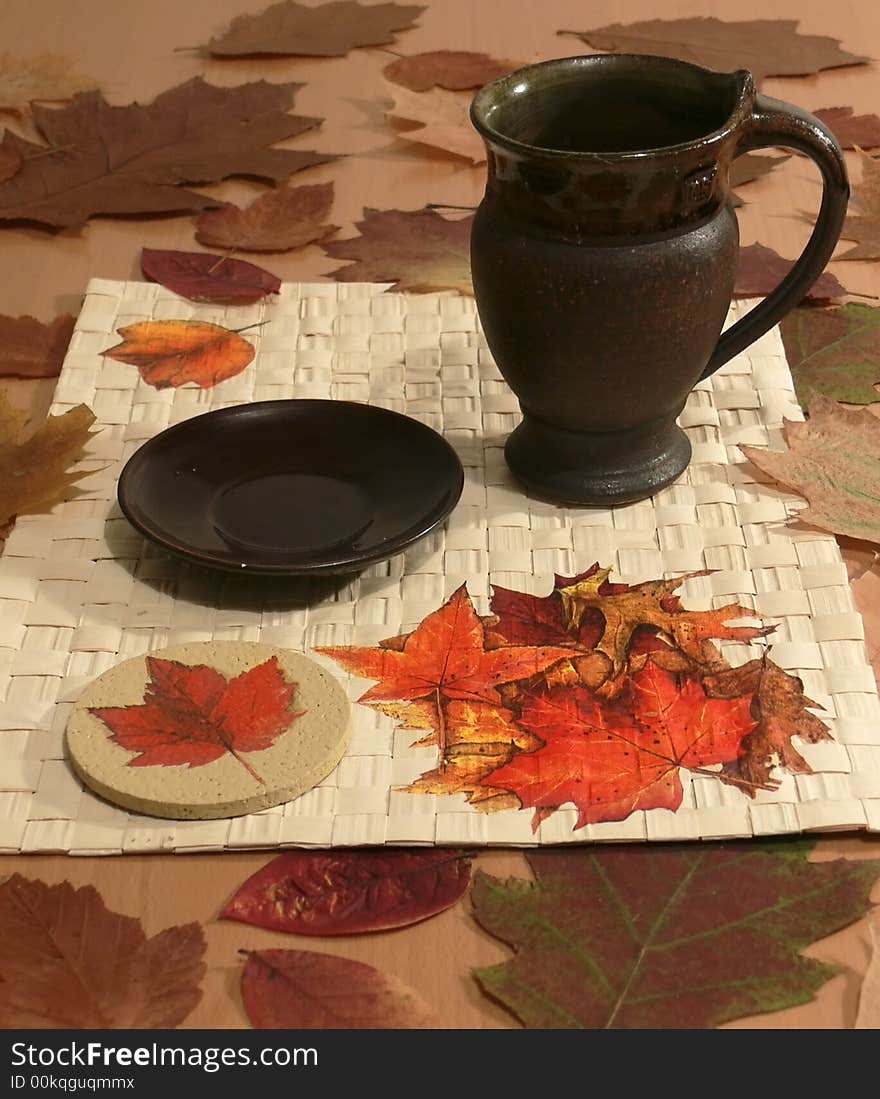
{"x": 304, "y": 990}
{"x": 46, "y": 78}
{"x": 455, "y": 70}
{"x": 418, "y": 251}
{"x": 30, "y": 349}
{"x": 281, "y": 219}
{"x": 767, "y": 47}
{"x": 192, "y": 714}
{"x": 760, "y": 270}
{"x": 610, "y": 759}
{"x": 780, "y": 710}
{"x": 864, "y": 225}
{"x": 172, "y": 353}
{"x": 201, "y": 276}
{"x": 443, "y": 122}
{"x": 327, "y": 30}
{"x": 100, "y": 159}
{"x": 665, "y": 936}
{"x": 66, "y": 961}
{"x": 654, "y": 603}
{"x": 832, "y": 461}
{"x": 35, "y": 471}
{"x": 350, "y": 892}
{"x": 851, "y": 130}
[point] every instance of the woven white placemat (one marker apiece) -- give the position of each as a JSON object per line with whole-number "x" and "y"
{"x": 80, "y": 590}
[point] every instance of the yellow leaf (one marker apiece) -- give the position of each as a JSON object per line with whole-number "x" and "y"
{"x": 35, "y": 472}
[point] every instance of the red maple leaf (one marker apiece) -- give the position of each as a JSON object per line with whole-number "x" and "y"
{"x": 446, "y": 656}
{"x": 612, "y": 758}
{"x": 192, "y": 715}
{"x": 523, "y": 619}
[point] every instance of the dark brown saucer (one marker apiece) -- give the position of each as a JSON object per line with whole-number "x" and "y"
{"x": 291, "y": 487}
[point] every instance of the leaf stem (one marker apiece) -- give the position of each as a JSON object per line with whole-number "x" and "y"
{"x": 221, "y": 260}
{"x": 256, "y": 324}
{"x": 245, "y": 764}
{"x": 441, "y": 728}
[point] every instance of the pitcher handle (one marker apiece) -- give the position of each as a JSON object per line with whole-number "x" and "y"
{"x": 775, "y": 123}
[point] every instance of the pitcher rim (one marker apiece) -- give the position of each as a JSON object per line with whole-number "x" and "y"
{"x": 480, "y": 104}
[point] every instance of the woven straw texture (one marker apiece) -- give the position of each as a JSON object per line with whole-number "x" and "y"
{"x": 80, "y": 590}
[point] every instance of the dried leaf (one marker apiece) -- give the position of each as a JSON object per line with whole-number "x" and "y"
{"x": 287, "y": 217}
{"x": 172, "y": 353}
{"x": 348, "y": 892}
{"x": 130, "y": 160}
{"x": 418, "y": 251}
{"x": 201, "y": 276}
{"x": 302, "y": 990}
{"x": 832, "y": 461}
{"x": 66, "y": 961}
{"x": 868, "y": 1017}
{"x": 35, "y": 472}
{"x": 444, "y": 658}
{"x": 654, "y": 604}
{"x": 611, "y": 759}
{"x": 780, "y": 711}
{"x": 456, "y": 70}
{"x": 767, "y": 47}
{"x": 10, "y": 162}
{"x": 850, "y": 129}
{"x": 667, "y": 936}
{"x": 30, "y": 349}
{"x": 834, "y": 353}
{"x": 192, "y": 714}
{"x": 443, "y": 121}
{"x": 46, "y": 78}
{"x": 328, "y": 30}
{"x": 760, "y": 270}
{"x": 864, "y": 226}
{"x": 746, "y": 169}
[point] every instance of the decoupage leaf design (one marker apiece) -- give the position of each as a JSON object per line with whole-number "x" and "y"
{"x": 609, "y": 759}
{"x": 67, "y": 961}
{"x": 445, "y": 656}
{"x": 349, "y": 892}
{"x": 305, "y": 990}
{"x": 192, "y": 714}
{"x": 654, "y": 603}
{"x": 780, "y": 710}
{"x": 172, "y": 353}
{"x": 667, "y": 935}
{"x": 622, "y": 689}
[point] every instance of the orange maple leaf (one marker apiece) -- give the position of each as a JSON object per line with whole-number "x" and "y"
{"x": 445, "y": 658}
{"x": 611, "y": 758}
{"x": 445, "y": 655}
{"x": 172, "y": 353}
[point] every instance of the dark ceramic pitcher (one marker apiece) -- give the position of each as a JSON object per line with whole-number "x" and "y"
{"x": 604, "y": 255}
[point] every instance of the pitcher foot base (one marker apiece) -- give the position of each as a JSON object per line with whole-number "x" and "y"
{"x": 603, "y": 469}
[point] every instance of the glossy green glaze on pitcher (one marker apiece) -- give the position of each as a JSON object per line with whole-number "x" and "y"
{"x": 604, "y": 257}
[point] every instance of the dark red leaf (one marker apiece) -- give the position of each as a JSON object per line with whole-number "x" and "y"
{"x": 345, "y": 892}
{"x": 201, "y": 276}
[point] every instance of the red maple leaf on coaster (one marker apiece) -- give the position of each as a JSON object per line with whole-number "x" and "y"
{"x": 612, "y": 758}
{"x": 192, "y": 714}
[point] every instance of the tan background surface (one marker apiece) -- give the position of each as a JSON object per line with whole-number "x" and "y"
{"x": 132, "y": 51}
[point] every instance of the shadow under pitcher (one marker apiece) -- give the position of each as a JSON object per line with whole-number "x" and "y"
{"x": 604, "y": 257}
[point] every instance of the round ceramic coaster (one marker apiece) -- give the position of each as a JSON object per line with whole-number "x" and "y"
{"x": 210, "y": 729}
